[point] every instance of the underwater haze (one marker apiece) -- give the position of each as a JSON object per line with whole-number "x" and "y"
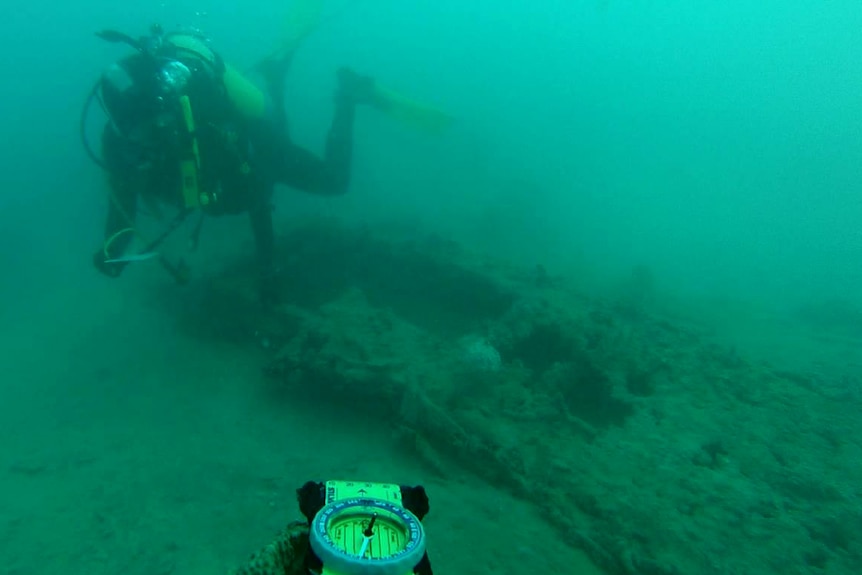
{"x": 707, "y": 155}
{"x": 716, "y": 143}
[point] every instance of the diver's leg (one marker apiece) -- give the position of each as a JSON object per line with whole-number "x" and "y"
{"x": 273, "y": 74}
{"x": 329, "y": 175}
{"x": 339, "y": 141}
{"x": 353, "y": 90}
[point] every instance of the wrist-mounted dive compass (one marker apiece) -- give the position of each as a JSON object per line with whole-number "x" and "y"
{"x": 359, "y": 528}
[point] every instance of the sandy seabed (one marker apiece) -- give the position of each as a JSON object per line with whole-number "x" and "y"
{"x": 131, "y": 448}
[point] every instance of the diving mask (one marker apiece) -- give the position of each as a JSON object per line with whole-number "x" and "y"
{"x": 173, "y": 78}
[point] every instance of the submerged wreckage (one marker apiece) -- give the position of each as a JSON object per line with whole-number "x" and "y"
{"x": 646, "y": 444}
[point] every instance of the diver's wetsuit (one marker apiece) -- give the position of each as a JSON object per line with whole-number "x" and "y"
{"x": 283, "y": 162}
{"x": 241, "y": 161}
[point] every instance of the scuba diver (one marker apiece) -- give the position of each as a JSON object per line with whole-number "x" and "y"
{"x": 185, "y": 129}
{"x": 351, "y": 528}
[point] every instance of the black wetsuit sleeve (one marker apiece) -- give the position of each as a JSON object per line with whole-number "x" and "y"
{"x": 122, "y": 204}
{"x": 124, "y": 182}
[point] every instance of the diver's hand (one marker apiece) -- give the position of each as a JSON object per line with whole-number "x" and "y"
{"x": 109, "y": 269}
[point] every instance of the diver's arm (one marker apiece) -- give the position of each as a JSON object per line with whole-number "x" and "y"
{"x": 125, "y": 182}
{"x": 118, "y": 226}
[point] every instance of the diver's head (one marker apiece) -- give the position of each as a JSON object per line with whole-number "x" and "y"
{"x": 140, "y": 94}
{"x": 153, "y": 97}
{"x": 142, "y": 91}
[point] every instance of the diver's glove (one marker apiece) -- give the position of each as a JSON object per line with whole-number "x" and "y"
{"x": 357, "y": 89}
{"x": 109, "y": 269}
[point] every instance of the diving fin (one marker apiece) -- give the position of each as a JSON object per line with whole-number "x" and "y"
{"x": 410, "y": 112}
{"x": 302, "y": 19}
{"x": 365, "y": 90}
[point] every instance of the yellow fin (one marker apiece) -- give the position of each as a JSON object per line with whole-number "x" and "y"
{"x": 413, "y": 113}
{"x": 302, "y": 19}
